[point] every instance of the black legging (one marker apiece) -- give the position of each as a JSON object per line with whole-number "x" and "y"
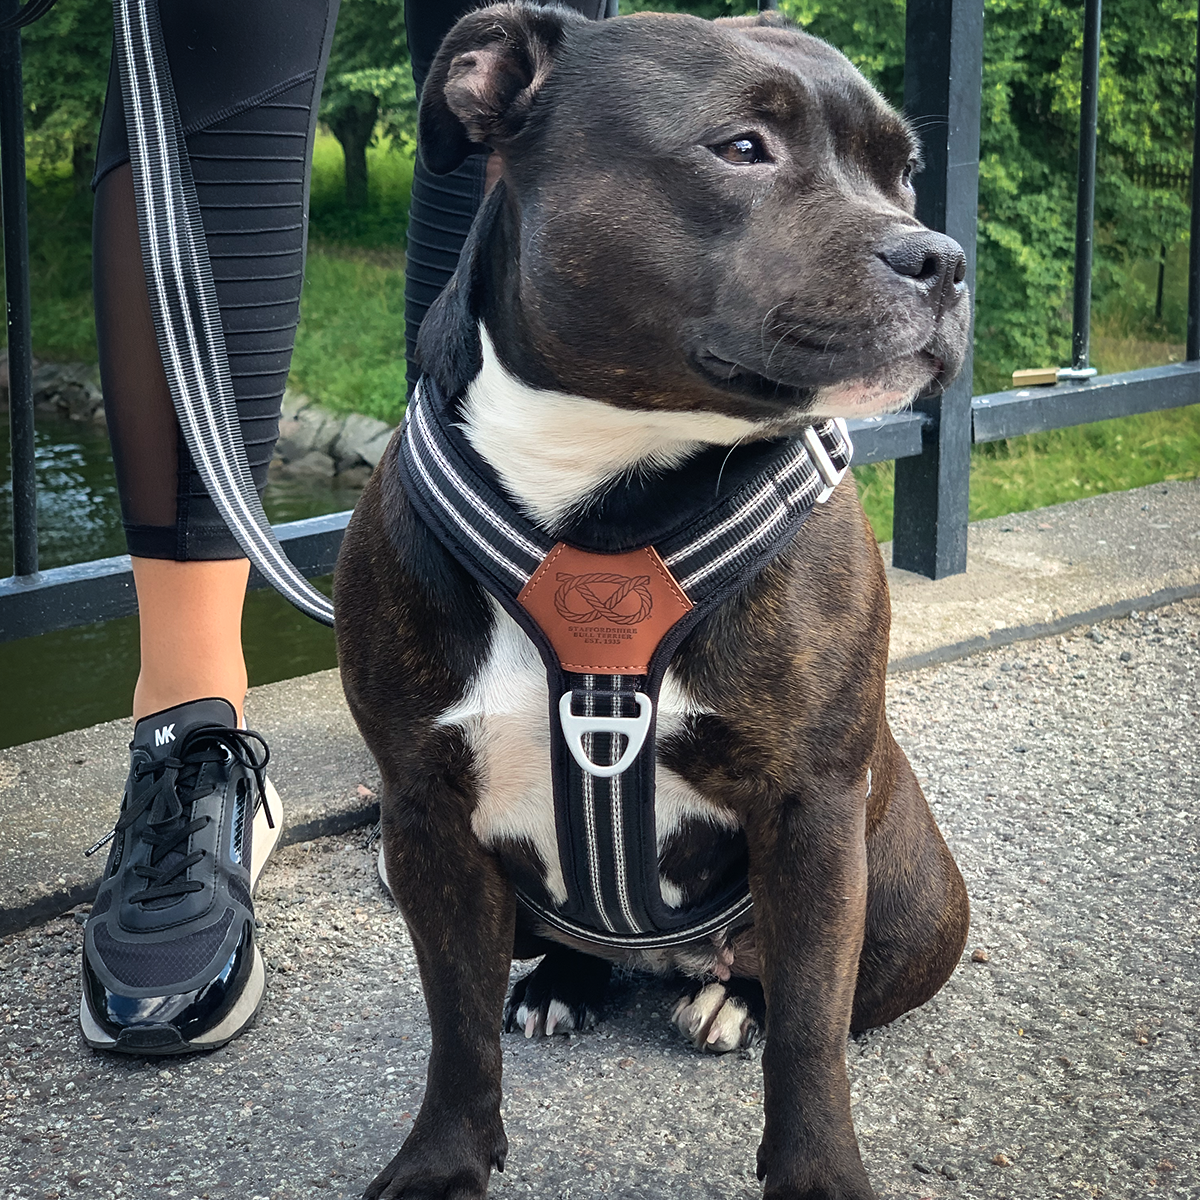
{"x": 247, "y": 78}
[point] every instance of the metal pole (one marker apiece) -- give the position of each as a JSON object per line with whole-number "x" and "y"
{"x": 943, "y": 82}
{"x": 16, "y": 286}
{"x": 1193, "y": 320}
{"x": 1086, "y": 200}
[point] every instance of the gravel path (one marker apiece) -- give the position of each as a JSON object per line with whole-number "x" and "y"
{"x": 1059, "y": 1061}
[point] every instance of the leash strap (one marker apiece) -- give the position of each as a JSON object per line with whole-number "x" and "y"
{"x": 183, "y": 300}
{"x": 607, "y": 621}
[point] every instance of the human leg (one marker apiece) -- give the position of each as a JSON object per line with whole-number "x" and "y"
{"x": 170, "y": 963}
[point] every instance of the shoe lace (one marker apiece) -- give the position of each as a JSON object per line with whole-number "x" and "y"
{"x": 169, "y": 796}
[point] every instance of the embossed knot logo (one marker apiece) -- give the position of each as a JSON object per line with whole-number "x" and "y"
{"x": 589, "y": 599}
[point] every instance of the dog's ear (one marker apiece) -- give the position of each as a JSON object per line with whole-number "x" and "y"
{"x": 484, "y": 79}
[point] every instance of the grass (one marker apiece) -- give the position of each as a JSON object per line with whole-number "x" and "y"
{"x": 1065, "y": 464}
{"x": 350, "y": 344}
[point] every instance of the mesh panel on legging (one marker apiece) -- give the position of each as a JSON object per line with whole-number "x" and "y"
{"x": 250, "y": 173}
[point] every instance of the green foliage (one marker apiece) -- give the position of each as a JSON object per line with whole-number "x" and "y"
{"x": 65, "y": 73}
{"x": 368, "y": 82}
{"x": 60, "y": 268}
{"x": 382, "y": 222}
{"x": 710, "y": 10}
{"x": 1065, "y": 464}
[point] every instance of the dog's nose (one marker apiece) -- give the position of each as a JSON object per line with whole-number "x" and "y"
{"x": 930, "y": 258}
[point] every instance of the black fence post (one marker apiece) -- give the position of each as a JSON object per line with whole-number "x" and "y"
{"x": 943, "y": 82}
{"x": 16, "y": 290}
{"x": 1085, "y": 205}
{"x": 1193, "y": 317}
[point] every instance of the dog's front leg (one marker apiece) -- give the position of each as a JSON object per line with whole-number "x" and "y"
{"x": 460, "y": 911}
{"x": 808, "y": 876}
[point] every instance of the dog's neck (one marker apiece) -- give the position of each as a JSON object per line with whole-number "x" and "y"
{"x": 555, "y": 452}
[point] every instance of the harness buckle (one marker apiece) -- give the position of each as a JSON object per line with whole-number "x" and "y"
{"x": 830, "y": 475}
{"x": 633, "y": 729}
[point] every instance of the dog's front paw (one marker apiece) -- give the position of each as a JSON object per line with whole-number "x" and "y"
{"x": 718, "y": 1018}
{"x": 564, "y": 992}
{"x": 443, "y": 1165}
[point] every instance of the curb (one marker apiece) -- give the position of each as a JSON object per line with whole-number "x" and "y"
{"x": 1028, "y": 633}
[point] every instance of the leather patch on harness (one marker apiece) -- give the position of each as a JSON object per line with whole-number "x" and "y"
{"x": 604, "y": 613}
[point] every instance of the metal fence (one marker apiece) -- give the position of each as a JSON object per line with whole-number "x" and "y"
{"x": 931, "y": 444}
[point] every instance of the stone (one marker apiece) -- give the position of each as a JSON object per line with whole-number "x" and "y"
{"x": 314, "y": 463}
{"x": 353, "y": 477}
{"x": 294, "y": 403}
{"x": 358, "y": 436}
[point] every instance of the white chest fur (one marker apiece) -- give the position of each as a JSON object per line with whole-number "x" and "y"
{"x": 505, "y": 715}
{"x": 554, "y": 451}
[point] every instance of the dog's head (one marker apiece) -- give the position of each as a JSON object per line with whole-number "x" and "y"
{"x": 699, "y": 215}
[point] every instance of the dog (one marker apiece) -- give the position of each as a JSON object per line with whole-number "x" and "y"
{"x": 702, "y": 243}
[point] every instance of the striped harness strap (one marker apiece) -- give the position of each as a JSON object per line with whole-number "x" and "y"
{"x": 183, "y": 300}
{"x": 607, "y": 608}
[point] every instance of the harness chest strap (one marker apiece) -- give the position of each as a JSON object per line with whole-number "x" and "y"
{"x": 607, "y": 623}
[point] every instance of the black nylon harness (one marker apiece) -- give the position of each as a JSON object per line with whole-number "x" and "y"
{"x": 715, "y": 522}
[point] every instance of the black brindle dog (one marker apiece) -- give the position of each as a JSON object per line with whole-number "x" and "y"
{"x": 703, "y": 234}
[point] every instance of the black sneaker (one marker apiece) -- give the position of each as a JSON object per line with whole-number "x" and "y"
{"x": 169, "y": 960}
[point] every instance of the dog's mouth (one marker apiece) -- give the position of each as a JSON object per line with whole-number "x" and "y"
{"x": 884, "y": 388}
{"x": 732, "y": 376}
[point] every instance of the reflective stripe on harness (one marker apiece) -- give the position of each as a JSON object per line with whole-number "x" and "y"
{"x": 607, "y": 622}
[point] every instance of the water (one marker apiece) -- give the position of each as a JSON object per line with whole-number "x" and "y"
{"x": 69, "y": 680}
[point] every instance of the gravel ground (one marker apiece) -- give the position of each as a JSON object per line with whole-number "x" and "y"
{"x": 1059, "y": 1061}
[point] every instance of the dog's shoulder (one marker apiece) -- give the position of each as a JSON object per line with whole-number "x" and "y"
{"x": 412, "y": 625}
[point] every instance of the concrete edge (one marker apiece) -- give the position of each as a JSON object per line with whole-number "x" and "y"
{"x": 54, "y": 904}
{"x": 1028, "y": 633}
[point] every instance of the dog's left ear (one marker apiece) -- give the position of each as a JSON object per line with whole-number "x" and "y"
{"x": 484, "y": 80}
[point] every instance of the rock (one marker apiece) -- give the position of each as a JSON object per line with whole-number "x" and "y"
{"x": 1001, "y": 1160}
{"x": 373, "y": 450}
{"x": 314, "y": 463}
{"x": 980, "y": 955}
{"x": 290, "y": 449}
{"x": 294, "y": 403}
{"x": 353, "y": 477}
{"x": 318, "y": 429}
{"x": 924, "y": 1168}
{"x": 358, "y": 438}
{"x": 67, "y": 390}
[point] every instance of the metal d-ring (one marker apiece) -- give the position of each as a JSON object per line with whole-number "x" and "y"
{"x": 634, "y": 729}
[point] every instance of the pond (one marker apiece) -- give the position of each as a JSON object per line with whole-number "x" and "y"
{"x": 69, "y": 680}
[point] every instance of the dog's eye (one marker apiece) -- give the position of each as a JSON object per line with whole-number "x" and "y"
{"x": 746, "y": 149}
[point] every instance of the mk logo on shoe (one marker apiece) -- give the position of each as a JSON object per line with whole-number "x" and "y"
{"x": 620, "y": 599}
{"x": 164, "y": 734}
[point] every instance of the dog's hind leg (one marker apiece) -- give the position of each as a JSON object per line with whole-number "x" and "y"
{"x": 460, "y": 911}
{"x": 917, "y": 907}
{"x": 564, "y": 992}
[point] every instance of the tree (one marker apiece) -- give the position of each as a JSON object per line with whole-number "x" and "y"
{"x": 1029, "y": 148}
{"x": 65, "y": 74}
{"x": 368, "y": 79}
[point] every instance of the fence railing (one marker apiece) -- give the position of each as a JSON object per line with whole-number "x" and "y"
{"x": 931, "y": 445}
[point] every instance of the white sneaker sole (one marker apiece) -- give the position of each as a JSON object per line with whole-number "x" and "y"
{"x": 250, "y": 1001}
